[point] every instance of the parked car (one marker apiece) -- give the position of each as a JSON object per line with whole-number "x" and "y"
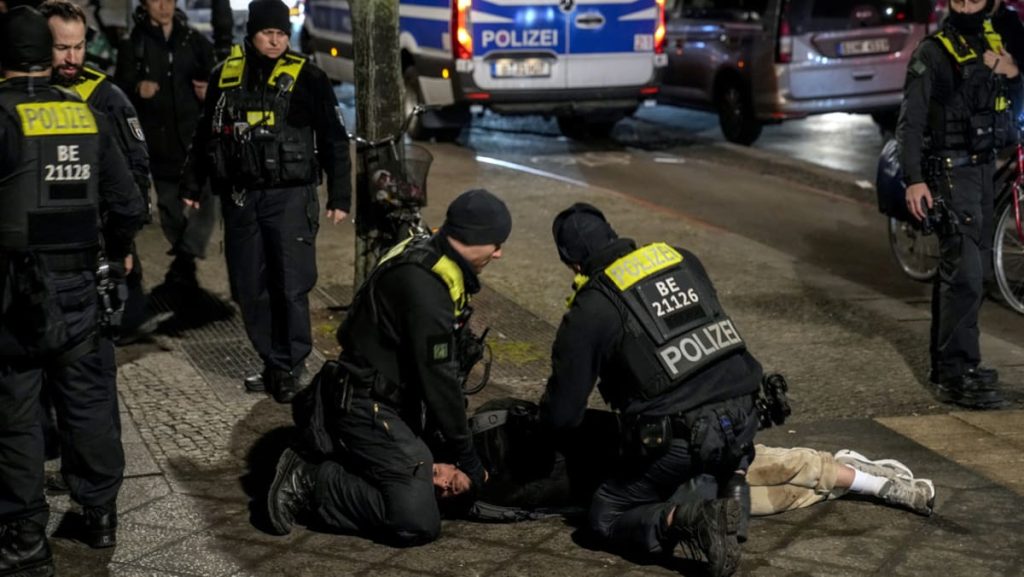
{"x": 765, "y": 61}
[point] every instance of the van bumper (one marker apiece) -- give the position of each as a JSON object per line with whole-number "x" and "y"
{"x": 783, "y": 107}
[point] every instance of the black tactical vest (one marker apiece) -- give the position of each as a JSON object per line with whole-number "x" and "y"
{"x": 50, "y": 202}
{"x": 674, "y": 325}
{"x": 366, "y": 334}
{"x": 253, "y": 146}
{"x": 976, "y": 117}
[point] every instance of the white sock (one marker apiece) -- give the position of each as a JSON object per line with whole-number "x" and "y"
{"x": 865, "y": 484}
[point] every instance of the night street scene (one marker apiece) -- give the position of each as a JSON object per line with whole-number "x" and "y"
{"x": 495, "y": 288}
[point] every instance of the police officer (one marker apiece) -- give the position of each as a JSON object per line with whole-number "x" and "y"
{"x": 400, "y": 366}
{"x": 68, "y": 26}
{"x": 955, "y": 113}
{"x": 646, "y": 327}
{"x": 271, "y": 125}
{"x": 64, "y": 187}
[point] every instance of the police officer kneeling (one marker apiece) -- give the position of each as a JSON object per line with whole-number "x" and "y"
{"x": 271, "y": 124}
{"x": 400, "y": 387}
{"x": 955, "y": 112}
{"x": 646, "y": 327}
{"x": 61, "y": 176}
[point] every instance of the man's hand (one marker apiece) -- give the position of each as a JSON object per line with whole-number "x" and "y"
{"x": 129, "y": 262}
{"x": 147, "y": 89}
{"x": 915, "y": 194}
{"x": 1001, "y": 63}
{"x": 199, "y": 87}
{"x": 191, "y": 203}
{"x": 336, "y": 216}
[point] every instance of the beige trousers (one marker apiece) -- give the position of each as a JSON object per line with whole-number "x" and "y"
{"x": 784, "y": 479}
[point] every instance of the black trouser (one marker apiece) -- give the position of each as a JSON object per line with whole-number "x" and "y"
{"x": 959, "y": 285}
{"x": 84, "y": 394}
{"x": 271, "y": 258}
{"x": 631, "y": 509}
{"x": 188, "y": 232}
{"x": 383, "y": 487}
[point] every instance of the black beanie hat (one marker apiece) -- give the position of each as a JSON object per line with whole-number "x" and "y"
{"x": 580, "y": 231}
{"x": 476, "y": 218}
{"x": 265, "y": 14}
{"x": 27, "y": 44}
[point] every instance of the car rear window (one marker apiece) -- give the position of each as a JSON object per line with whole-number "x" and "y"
{"x": 832, "y": 15}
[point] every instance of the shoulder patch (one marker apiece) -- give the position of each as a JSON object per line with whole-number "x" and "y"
{"x": 439, "y": 349}
{"x": 917, "y": 67}
{"x": 136, "y": 128}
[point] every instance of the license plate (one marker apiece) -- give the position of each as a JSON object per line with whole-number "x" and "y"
{"x": 861, "y": 47}
{"x": 521, "y": 68}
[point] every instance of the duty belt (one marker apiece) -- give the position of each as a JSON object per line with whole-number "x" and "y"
{"x": 960, "y": 160}
{"x": 70, "y": 261}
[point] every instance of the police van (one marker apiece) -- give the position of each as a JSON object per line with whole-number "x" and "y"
{"x": 587, "y": 62}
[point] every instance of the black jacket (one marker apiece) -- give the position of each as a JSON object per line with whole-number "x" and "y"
{"x": 931, "y": 81}
{"x": 109, "y": 99}
{"x": 120, "y": 205}
{"x": 170, "y": 116}
{"x": 313, "y": 103}
{"x": 416, "y": 306}
{"x": 587, "y": 349}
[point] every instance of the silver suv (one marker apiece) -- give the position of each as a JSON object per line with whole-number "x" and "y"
{"x": 765, "y": 61}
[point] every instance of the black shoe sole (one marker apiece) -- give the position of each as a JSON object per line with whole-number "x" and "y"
{"x": 100, "y": 540}
{"x": 723, "y": 523}
{"x": 281, "y": 525}
{"x": 42, "y": 570}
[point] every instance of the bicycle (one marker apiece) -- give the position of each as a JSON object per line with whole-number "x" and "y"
{"x": 396, "y": 180}
{"x": 917, "y": 253}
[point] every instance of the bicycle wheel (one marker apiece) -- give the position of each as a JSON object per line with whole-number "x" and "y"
{"x": 917, "y": 254}
{"x": 1008, "y": 259}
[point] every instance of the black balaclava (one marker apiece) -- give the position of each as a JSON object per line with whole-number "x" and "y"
{"x": 27, "y": 44}
{"x": 580, "y": 231}
{"x": 969, "y": 24}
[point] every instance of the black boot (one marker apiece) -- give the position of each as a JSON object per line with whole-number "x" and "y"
{"x": 291, "y": 491}
{"x": 710, "y": 527}
{"x": 286, "y": 385}
{"x": 24, "y": 550}
{"x": 182, "y": 271}
{"x": 99, "y": 529}
{"x": 261, "y": 382}
{"x": 738, "y": 490}
{"x": 969, "y": 391}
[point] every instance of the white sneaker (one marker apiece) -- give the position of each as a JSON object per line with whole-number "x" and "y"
{"x": 886, "y": 468}
{"x": 917, "y": 495}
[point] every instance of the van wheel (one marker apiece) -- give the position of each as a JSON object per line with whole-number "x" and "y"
{"x": 412, "y": 97}
{"x": 736, "y": 115}
{"x": 581, "y": 128}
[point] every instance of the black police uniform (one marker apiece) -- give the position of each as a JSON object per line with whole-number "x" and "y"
{"x": 270, "y": 127}
{"x": 399, "y": 347}
{"x": 60, "y": 177}
{"x": 168, "y": 120}
{"x": 954, "y": 113}
{"x": 646, "y": 326}
{"x": 100, "y": 92}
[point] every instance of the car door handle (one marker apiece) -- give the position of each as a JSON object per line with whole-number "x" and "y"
{"x": 589, "y": 20}
{"x": 863, "y": 74}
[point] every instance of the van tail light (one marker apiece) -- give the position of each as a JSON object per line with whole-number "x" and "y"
{"x": 463, "y": 39}
{"x": 785, "y": 47}
{"x": 659, "y": 32}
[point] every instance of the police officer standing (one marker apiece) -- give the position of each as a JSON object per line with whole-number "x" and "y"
{"x": 64, "y": 188}
{"x": 68, "y": 26}
{"x": 271, "y": 125}
{"x": 400, "y": 366}
{"x": 955, "y": 113}
{"x": 646, "y": 327}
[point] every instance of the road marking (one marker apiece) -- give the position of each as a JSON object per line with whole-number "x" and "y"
{"x": 530, "y": 170}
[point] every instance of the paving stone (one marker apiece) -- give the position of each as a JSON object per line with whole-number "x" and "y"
{"x": 206, "y": 554}
{"x": 302, "y": 564}
{"x": 183, "y": 512}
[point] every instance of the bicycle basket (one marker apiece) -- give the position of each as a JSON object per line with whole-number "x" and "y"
{"x": 398, "y": 175}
